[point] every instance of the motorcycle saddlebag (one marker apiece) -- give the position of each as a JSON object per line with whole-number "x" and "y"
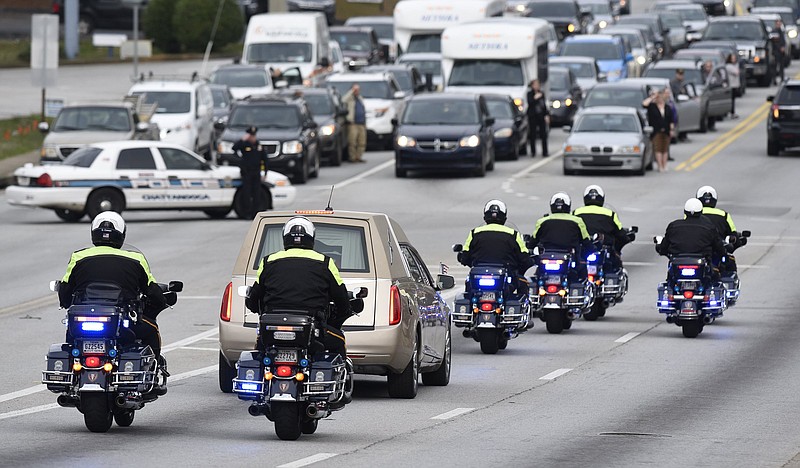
{"x": 287, "y": 329}
{"x": 59, "y": 368}
{"x": 249, "y": 381}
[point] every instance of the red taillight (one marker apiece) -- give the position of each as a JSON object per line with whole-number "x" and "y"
{"x": 591, "y": 278}
{"x": 395, "y": 307}
{"x": 284, "y": 371}
{"x": 92, "y": 361}
{"x": 552, "y": 289}
{"x": 225, "y": 308}
{"x": 44, "y": 180}
{"x": 688, "y": 294}
{"x": 487, "y": 306}
{"x": 56, "y": 8}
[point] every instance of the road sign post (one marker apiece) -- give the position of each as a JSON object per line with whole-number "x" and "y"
{"x": 44, "y": 53}
{"x": 135, "y": 4}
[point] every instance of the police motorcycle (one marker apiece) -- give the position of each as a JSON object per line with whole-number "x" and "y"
{"x": 489, "y": 311}
{"x": 104, "y": 371}
{"x": 731, "y": 278}
{"x": 556, "y": 298}
{"x": 611, "y": 284}
{"x": 295, "y": 382}
{"x": 690, "y": 298}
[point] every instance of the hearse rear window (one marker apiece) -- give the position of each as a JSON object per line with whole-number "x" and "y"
{"x": 346, "y": 245}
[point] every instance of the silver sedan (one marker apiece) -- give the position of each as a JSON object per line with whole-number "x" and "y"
{"x": 608, "y": 139}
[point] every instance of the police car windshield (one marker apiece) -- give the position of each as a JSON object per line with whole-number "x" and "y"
{"x": 346, "y": 245}
{"x": 83, "y": 157}
{"x": 112, "y": 119}
{"x": 440, "y": 112}
{"x": 789, "y": 96}
{"x": 264, "y": 117}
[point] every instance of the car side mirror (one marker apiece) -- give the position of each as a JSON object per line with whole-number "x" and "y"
{"x": 628, "y": 57}
{"x": 54, "y": 285}
{"x": 281, "y": 84}
{"x": 489, "y": 121}
{"x": 360, "y": 293}
{"x": 399, "y": 95}
{"x": 243, "y": 291}
{"x": 44, "y": 127}
{"x": 142, "y": 127}
{"x": 175, "y": 286}
{"x": 219, "y": 125}
{"x": 769, "y": 99}
{"x": 205, "y": 166}
{"x": 683, "y": 97}
{"x": 394, "y": 121}
{"x": 445, "y": 282}
{"x": 648, "y": 130}
{"x": 658, "y": 240}
{"x": 458, "y": 247}
{"x": 602, "y": 77}
{"x": 745, "y": 234}
{"x": 566, "y": 128}
{"x": 341, "y": 113}
{"x": 309, "y": 125}
{"x": 634, "y": 228}
{"x": 536, "y": 251}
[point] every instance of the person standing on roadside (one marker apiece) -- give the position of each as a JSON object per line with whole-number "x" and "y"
{"x": 538, "y": 117}
{"x": 659, "y": 116}
{"x": 732, "y": 67}
{"x": 356, "y": 123}
{"x": 252, "y": 160}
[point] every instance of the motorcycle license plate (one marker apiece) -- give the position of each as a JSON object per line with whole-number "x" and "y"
{"x": 592, "y": 269}
{"x": 553, "y": 279}
{"x": 94, "y": 347}
{"x": 286, "y": 355}
{"x": 487, "y": 296}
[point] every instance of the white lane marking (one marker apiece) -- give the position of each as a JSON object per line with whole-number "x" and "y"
{"x": 197, "y": 348}
{"x": 627, "y": 337}
{"x": 39, "y": 409}
{"x": 554, "y": 374}
{"x": 453, "y": 413}
{"x": 536, "y": 165}
{"x": 165, "y": 349}
{"x": 308, "y": 460}
{"x": 365, "y": 174}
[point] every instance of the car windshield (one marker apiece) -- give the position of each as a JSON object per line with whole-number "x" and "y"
{"x": 580, "y": 70}
{"x": 434, "y": 67}
{"x": 689, "y": 75}
{"x": 603, "y": 9}
{"x": 241, "y": 78}
{"x": 354, "y": 41}
{"x": 279, "y": 52}
{"x": 83, "y": 157}
{"x": 688, "y": 54}
{"x": 264, "y": 117}
{"x": 598, "y": 50}
{"x": 747, "y": 31}
{"x": 651, "y": 22}
{"x": 368, "y": 89}
{"x": 551, "y": 9}
{"x": 635, "y": 40}
{"x": 383, "y": 30}
{"x": 789, "y": 96}
{"x": 169, "y": 102}
{"x": 559, "y": 80}
{"x": 774, "y": 3}
{"x": 221, "y": 98}
{"x": 346, "y": 245}
{"x": 404, "y": 80}
{"x": 112, "y": 119}
{"x": 613, "y": 96}
{"x": 486, "y": 73}
{"x": 425, "y": 43}
{"x": 692, "y": 14}
{"x": 671, "y": 21}
{"x": 617, "y": 123}
{"x": 499, "y": 109}
{"x": 441, "y": 112}
{"x": 319, "y": 104}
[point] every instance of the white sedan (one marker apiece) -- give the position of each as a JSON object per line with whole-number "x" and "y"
{"x": 136, "y": 175}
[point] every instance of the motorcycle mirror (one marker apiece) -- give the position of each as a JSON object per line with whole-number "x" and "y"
{"x": 54, "y": 285}
{"x": 658, "y": 239}
{"x": 535, "y": 250}
{"x": 243, "y": 291}
{"x": 634, "y": 228}
{"x": 360, "y": 292}
{"x": 445, "y": 282}
{"x": 175, "y": 286}
{"x": 745, "y": 233}
{"x": 458, "y": 247}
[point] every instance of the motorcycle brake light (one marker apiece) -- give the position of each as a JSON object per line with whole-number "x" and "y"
{"x": 487, "y": 306}
{"x": 591, "y": 278}
{"x": 688, "y": 294}
{"x": 552, "y": 289}
{"x": 92, "y": 361}
{"x": 283, "y": 371}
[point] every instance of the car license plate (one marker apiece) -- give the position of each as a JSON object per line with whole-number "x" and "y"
{"x": 487, "y": 296}
{"x": 286, "y": 355}
{"x": 94, "y": 347}
{"x": 23, "y": 181}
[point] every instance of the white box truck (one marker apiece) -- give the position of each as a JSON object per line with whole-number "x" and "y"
{"x": 418, "y": 24}
{"x": 287, "y": 40}
{"x": 497, "y": 55}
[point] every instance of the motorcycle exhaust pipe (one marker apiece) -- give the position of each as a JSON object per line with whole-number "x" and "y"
{"x": 66, "y": 401}
{"x": 312, "y": 411}
{"x": 707, "y": 319}
{"x": 256, "y": 410}
{"x": 670, "y": 319}
{"x": 128, "y": 403}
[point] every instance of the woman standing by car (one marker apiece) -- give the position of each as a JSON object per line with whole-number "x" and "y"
{"x": 732, "y": 67}
{"x": 659, "y": 116}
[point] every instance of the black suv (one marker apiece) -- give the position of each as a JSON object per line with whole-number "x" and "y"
{"x": 566, "y": 15}
{"x": 752, "y": 42}
{"x": 286, "y": 130}
{"x": 783, "y": 121}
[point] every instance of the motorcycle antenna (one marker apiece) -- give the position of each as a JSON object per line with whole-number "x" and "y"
{"x": 329, "y": 207}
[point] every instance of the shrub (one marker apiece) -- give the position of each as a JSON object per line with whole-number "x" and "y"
{"x": 158, "y": 17}
{"x": 194, "y": 19}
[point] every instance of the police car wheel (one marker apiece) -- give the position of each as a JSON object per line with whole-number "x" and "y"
{"x": 217, "y": 213}
{"x": 70, "y": 216}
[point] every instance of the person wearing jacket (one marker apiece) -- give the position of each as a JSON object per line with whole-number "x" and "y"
{"x": 561, "y": 230}
{"x": 603, "y": 221}
{"x": 694, "y": 234}
{"x": 356, "y": 123}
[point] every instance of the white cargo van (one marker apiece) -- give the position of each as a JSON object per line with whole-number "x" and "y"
{"x": 418, "y": 24}
{"x": 287, "y": 40}
{"x": 496, "y": 55}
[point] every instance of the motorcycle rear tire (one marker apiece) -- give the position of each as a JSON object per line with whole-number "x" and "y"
{"x": 287, "y": 419}
{"x": 97, "y": 414}
{"x": 554, "y": 319}
{"x": 692, "y": 329}
{"x": 489, "y": 339}
{"x": 310, "y": 426}
{"x": 597, "y": 311}
{"x": 124, "y": 418}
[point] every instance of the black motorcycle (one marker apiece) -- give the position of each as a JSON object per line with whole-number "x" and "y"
{"x": 294, "y": 380}
{"x": 611, "y": 283}
{"x": 102, "y": 370}
{"x": 729, "y": 277}
{"x": 557, "y": 296}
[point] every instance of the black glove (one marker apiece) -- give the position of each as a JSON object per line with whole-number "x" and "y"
{"x": 356, "y": 305}
{"x": 171, "y": 298}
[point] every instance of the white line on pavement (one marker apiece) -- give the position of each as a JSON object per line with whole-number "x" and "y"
{"x": 308, "y": 460}
{"x": 627, "y": 337}
{"x": 453, "y": 413}
{"x": 365, "y": 174}
{"x": 22, "y": 393}
{"x": 554, "y": 374}
{"x": 536, "y": 165}
{"x": 197, "y": 348}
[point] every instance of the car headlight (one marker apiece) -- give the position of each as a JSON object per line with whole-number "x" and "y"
{"x": 469, "y": 141}
{"x": 521, "y": 7}
{"x": 503, "y": 133}
{"x": 641, "y": 60}
{"x": 292, "y": 147}
{"x": 636, "y": 149}
{"x": 406, "y": 142}
{"x": 518, "y": 103}
{"x": 576, "y": 149}
{"x": 602, "y": 24}
{"x": 49, "y": 151}
{"x": 568, "y": 102}
{"x": 727, "y": 3}
{"x": 792, "y": 33}
{"x": 225, "y": 147}
{"x": 328, "y": 130}
{"x": 571, "y": 27}
{"x": 380, "y": 112}
{"x": 556, "y": 104}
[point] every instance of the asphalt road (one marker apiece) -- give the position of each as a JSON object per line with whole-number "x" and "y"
{"x": 627, "y": 390}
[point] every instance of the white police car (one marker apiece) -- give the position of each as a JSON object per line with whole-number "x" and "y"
{"x": 136, "y": 175}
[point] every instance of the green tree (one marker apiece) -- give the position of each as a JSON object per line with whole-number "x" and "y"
{"x": 194, "y": 19}
{"x": 158, "y": 25}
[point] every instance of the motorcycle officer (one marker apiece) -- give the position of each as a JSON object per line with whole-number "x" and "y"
{"x": 722, "y": 221}
{"x": 603, "y": 221}
{"x": 495, "y": 243}
{"x": 692, "y": 234}
{"x": 108, "y": 262}
{"x": 561, "y": 230}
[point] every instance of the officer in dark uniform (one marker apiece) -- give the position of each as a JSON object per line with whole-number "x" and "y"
{"x": 252, "y": 159}
{"x": 107, "y": 262}
{"x": 495, "y": 243}
{"x": 601, "y": 220}
{"x": 538, "y": 117}
{"x": 722, "y": 221}
{"x": 561, "y": 230}
{"x": 693, "y": 234}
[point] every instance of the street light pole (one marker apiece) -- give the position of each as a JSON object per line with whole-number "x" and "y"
{"x": 135, "y": 41}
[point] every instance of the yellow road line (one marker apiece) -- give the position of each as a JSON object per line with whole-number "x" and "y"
{"x": 724, "y": 144}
